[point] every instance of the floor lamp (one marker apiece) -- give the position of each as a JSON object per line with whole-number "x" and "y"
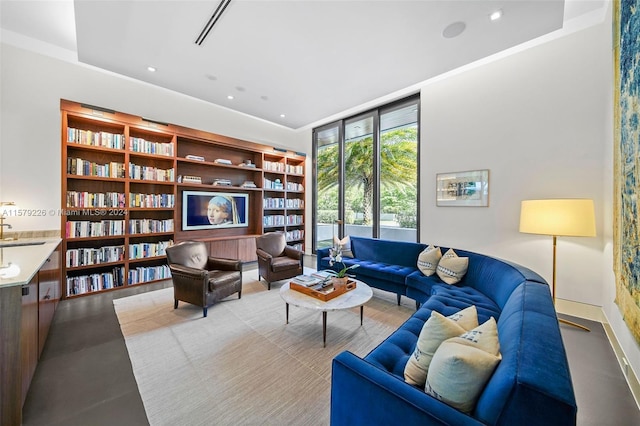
{"x": 558, "y": 217}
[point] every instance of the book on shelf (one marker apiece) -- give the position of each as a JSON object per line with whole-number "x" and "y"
{"x": 248, "y": 184}
{"x": 194, "y": 157}
{"x": 223, "y": 161}
{"x": 221, "y": 182}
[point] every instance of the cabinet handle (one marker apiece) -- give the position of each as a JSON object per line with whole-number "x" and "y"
{"x": 25, "y": 290}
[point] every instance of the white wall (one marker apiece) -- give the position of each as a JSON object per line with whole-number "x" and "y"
{"x": 30, "y": 154}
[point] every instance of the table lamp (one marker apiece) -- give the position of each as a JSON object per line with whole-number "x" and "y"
{"x": 558, "y": 217}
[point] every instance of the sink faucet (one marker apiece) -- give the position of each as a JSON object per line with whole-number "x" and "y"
{"x": 2, "y": 225}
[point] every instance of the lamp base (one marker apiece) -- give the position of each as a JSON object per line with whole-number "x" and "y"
{"x": 564, "y": 321}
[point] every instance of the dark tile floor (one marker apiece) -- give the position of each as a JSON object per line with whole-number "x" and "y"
{"x": 84, "y": 376}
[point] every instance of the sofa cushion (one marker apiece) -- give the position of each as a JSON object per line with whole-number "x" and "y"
{"x": 461, "y": 297}
{"x": 383, "y": 271}
{"x": 284, "y": 263}
{"x": 436, "y": 330}
{"x": 344, "y": 245}
{"x": 428, "y": 260}
{"x": 452, "y": 268}
{"x": 462, "y": 366}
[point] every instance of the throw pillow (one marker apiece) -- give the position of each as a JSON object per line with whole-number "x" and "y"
{"x": 462, "y": 366}
{"x": 436, "y": 330}
{"x": 344, "y": 245}
{"x": 452, "y": 268}
{"x": 428, "y": 260}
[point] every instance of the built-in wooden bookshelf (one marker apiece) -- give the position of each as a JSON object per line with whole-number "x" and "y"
{"x": 123, "y": 179}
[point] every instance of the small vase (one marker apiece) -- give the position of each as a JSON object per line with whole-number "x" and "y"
{"x": 339, "y": 283}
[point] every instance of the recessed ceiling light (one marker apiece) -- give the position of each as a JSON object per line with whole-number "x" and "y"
{"x": 240, "y": 89}
{"x": 230, "y": 97}
{"x": 151, "y": 69}
{"x": 264, "y": 98}
{"x": 454, "y": 30}
{"x": 211, "y": 77}
{"x": 282, "y": 116}
{"x": 496, "y": 15}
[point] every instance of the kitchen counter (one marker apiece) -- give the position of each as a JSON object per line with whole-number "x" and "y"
{"x": 27, "y": 258}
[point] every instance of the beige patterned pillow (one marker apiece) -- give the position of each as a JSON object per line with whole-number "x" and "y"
{"x": 452, "y": 268}
{"x": 436, "y": 330}
{"x": 462, "y": 366}
{"x": 428, "y": 260}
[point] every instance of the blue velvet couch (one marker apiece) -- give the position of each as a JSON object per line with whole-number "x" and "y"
{"x": 532, "y": 383}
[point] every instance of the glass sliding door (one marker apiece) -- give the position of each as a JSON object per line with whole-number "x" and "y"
{"x": 360, "y": 180}
{"x": 326, "y": 184}
{"x": 366, "y": 175}
{"x": 399, "y": 173}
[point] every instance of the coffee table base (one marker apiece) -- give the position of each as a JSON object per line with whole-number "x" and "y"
{"x": 324, "y": 322}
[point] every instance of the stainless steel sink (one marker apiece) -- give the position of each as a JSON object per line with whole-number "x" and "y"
{"x": 19, "y": 243}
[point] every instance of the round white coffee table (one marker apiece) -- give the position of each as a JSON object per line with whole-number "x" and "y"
{"x": 351, "y": 299}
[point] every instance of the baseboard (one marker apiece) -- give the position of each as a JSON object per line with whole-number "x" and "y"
{"x": 595, "y": 313}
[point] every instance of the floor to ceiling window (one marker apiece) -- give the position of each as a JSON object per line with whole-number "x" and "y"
{"x": 366, "y": 175}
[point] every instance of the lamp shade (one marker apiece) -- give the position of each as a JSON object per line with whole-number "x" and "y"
{"x": 560, "y": 217}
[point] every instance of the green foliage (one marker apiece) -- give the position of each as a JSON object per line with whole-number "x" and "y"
{"x": 398, "y": 177}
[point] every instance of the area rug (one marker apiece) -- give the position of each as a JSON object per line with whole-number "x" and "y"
{"x": 242, "y": 365}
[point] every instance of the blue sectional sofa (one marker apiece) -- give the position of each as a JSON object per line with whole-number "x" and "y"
{"x": 531, "y": 384}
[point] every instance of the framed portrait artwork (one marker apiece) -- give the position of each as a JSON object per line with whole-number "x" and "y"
{"x": 214, "y": 210}
{"x": 467, "y": 189}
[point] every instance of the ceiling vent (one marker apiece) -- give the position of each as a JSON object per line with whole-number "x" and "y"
{"x": 212, "y": 21}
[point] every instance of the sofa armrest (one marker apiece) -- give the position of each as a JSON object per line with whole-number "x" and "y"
{"x": 223, "y": 264}
{"x": 321, "y": 253}
{"x": 263, "y": 255}
{"x": 362, "y": 393}
{"x": 293, "y": 253}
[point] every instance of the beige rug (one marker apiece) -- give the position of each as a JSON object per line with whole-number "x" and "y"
{"x": 242, "y": 365}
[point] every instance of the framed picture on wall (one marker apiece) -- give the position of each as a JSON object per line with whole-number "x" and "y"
{"x": 466, "y": 189}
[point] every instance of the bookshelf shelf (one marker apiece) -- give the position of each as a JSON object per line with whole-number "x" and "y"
{"x": 121, "y": 185}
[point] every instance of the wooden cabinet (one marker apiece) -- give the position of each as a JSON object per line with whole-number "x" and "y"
{"x": 49, "y": 285}
{"x": 26, "y": 313}
{"x": 123, "y": 184}
{"x": 29, "y": 333}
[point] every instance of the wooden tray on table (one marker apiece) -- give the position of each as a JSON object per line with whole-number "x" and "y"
{"x": 325, "y": 294}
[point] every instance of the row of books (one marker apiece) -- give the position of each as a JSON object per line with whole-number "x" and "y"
{"x": 273, "y": 203}
{"x": 297, "y": 246}
{"x": 296, "y": 234}
{"x": 151, "y": 173}
{"x": 295, "y": 169}
{"x": 273, "y": 184}
{"x": 95, "y": 282}
{"x": 273, "y": 166}
{"x": 149, "y": 147}
{"x": 100, "y": 139}
{"x": 295, "y": 203}
{"x": 148, "y": 273}
{"x": 292, "y": 186}
{"x": 86, "y": 228}
{"x": 281, "y": 220}
{"x": 144, "y": 250}
{"x": 152, "y": 200}
{"x": 92, "y": 199}
{"x": 82, "y": 167}
{"x": 94, "y": 256}
{"x": 144, "y": 226}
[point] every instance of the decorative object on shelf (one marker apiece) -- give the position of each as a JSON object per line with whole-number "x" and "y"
{"x": 223, "y": 161}
{"x": 247, "y": 163}
{"x": 248, "y": 184}
{"x": 194, "y": 157}
{"x": 221, "y": 182}
{"x": 559, "y": 217}
{"x": 191, "y": 179}
{"x": 469, "y": 189}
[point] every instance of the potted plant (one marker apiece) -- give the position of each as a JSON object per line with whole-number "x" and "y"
{"x": 341, "y": 277}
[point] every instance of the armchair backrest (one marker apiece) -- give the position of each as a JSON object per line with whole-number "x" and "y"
{"x": 188, "y": 253}
{"x": 272, "y": 243}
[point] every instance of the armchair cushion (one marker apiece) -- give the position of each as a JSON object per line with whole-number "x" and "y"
{"x": 284, "y": 263}
{"x": 222, "y": 279}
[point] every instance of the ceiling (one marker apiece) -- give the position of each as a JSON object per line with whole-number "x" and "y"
{"x": 290, "y": 62}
